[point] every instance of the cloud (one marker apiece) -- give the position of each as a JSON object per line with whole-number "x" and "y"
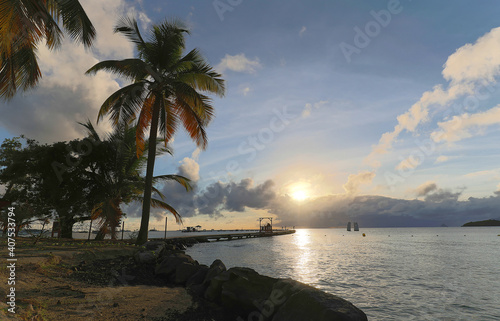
{"x": 476, "y": 61}
{"x": 189, "y": 168}
{"x": 245, "y": 90}
{"x": 471, "y": 66}
{"x": 309, "y": 108}
{"x": 302, "y": 31}
{"x": 379, "y": 211}
{"x": 239, "y": 63}
{"x": 426, "y": 188}
{"x": 466, "y": 125}
{"x": 441, "y": 159}
{"x": 65, "y": 95}
{"x": 409, "y": 163}
{"x": 354, "y": 181}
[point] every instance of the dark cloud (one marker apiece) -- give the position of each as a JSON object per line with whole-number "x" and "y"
{"x": 426, "y": 188}
{"x": 438, "y": 206}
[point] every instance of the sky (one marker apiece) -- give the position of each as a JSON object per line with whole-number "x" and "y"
{"x": 381, "y": 112}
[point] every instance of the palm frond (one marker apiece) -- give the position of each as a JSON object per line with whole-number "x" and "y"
{"x": 133, "y": 69}
{"x": 184, "y": 181}
{"x": 160, "y": 204}
{"x": 76, "y": 21}
{"x": 124, "y": 104}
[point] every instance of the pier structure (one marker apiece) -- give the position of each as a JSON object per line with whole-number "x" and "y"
{"x": 228, "y": 236}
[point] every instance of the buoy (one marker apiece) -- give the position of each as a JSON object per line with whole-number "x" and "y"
{"x": 364, "y": 234}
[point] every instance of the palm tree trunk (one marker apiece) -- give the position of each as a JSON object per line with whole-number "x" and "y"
{"x": 146, "y": 203}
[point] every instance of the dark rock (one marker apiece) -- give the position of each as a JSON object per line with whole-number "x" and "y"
{"x": 170, "y": 263}
{"x": 154, "y": 245}
{"x": 145, "y": 257}
{"x": 198, "y": 277}
{"x": 246, "y": 291}
{"x": 214, "y": 289}
{"x": 216, "y": 268}
{"x": 295, "y": 301}
{"x": 184, "y": 271}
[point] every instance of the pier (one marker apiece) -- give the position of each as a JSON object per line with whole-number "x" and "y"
{"x": 225, "y": 237}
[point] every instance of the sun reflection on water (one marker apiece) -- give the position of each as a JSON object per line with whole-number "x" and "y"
{"x": 303, "y": 267}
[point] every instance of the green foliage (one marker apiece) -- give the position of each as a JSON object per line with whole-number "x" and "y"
{"x": 167, "y": 89}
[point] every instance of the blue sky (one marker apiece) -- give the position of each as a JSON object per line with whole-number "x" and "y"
{"x": 331, "y": 107}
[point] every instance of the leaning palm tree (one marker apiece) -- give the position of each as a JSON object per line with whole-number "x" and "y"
{"x": 117, "y": 178}
{"x": 23, "y": 25}
{"x": 168, "y": 87}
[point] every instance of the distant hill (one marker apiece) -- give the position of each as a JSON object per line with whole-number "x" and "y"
{"x": 484, "y": 223}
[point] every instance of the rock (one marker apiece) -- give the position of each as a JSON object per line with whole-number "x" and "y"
{"x": 170, "y": 263}
{"x": 214, "y": 289}
{"x": 198, "y": 277}
{"x": 295, "y": 301}
{"x": 154, "y": 245}
{"x": 145, "y": 257}
{"x": 216, "y": 268}
{"x": 184, "y": 271}
{"x": 246, "y": 291}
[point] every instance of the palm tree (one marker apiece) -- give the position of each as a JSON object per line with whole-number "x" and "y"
{"x": 23, "y": 25}
{"x": 167, "y": 89}
{"x": 117, "y": 177}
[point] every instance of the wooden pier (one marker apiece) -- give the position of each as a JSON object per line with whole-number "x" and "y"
{"x": 225, "y": 237}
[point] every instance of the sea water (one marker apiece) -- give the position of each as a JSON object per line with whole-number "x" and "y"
{"x": 391, "y": 273}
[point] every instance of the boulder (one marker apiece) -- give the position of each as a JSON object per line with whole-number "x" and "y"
{"x": 214, "y": 289}
{"x": 246, "y": 291}
{"x": 169, "y": 264}
{"x": 184, "y": 271}
{"x": 295, "y": 301}
{"x": 145, "y": 257}
{"x": 154, "y": 245}
{"x": 198, "y": 277}
{"x": 216, "y": 268}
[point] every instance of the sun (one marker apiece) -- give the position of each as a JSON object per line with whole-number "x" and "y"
{"x": 300, "y": 195}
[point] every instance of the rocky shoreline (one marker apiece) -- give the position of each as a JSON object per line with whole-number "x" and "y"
{"x": 242, "y": 293}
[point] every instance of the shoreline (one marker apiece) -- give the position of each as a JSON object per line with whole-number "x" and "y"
{"x": 118, "y": 281}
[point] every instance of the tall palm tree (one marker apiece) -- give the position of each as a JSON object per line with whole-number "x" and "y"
{"x": 168, "y": 87}
{"x": 23, "y": 25}
{"x": 117, "y": 177}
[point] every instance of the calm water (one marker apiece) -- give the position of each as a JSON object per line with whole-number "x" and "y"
{"x": 391, "y": 274}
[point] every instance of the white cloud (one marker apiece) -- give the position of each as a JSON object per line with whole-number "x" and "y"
{"x": 493, "y": 173}
{"x": 65, "y": 95}
{"x": 441, "y": 159}
{"x": 245, "y": 90}
{"x": 239, "y": 63}
{"x": 190, "y": 168}
{"x": 302, "y": 31}
{"x": 466, "y": 125}
{"x": 470, "y": 66}
{"x": 354, "y": 181}
{"x": 309, "y": 108}
{"x": 409, "y": 163}
{"x": 478, "y": 61}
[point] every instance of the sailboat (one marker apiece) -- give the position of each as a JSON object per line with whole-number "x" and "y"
{"x": 356, "y": 227}
{"x": 349, "y": 226}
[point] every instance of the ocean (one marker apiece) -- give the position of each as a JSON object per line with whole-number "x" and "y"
{"x": 391, "y": 273}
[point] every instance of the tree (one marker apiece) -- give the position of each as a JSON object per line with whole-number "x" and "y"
{"x": 167, "y": 89}
{"x": 23, "y": 25}
{"x": 32, "y": 180}
{"x": 117, "y": 177}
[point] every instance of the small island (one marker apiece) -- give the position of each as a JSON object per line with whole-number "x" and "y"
{"x": 483, "y": 223}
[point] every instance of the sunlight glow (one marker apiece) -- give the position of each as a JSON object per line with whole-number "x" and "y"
{"x": 300, "y": 195}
